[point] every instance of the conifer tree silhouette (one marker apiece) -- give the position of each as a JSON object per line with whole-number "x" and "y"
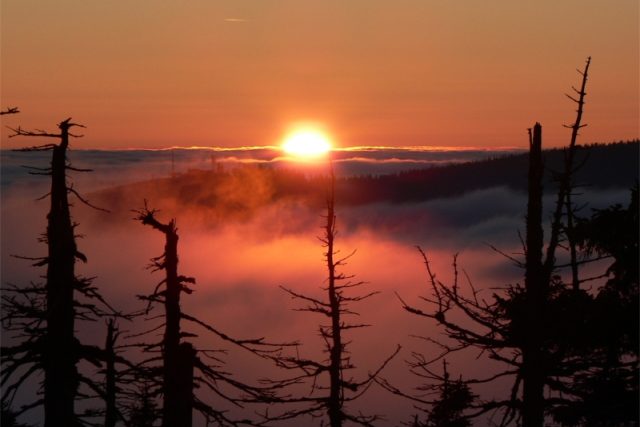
{"x": 445, "y": 402}
{"x": 454, "y": 397}
{"x": 143, "y": 411}
{"x": 607, "y": 392}
{"x": 329, "y": 377}
{"x": 541, "y": 331}
{"x": 41, "y": 318}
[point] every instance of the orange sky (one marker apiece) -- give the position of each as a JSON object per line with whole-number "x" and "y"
{"x": 150, "y": 73}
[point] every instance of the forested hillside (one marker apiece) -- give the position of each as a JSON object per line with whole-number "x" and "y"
{"x": 240, "y": 190}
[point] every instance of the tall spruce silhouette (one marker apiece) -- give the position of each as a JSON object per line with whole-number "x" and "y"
{"x": 445, "y": 402}
{"x": 41, "y": 319}
{"x": 606, "y": 391}
{"x": 331, "y": 385}
{"x": 453, "y": 398}
{"x": 541, "y": 331}
{"x": 183, "y": 367}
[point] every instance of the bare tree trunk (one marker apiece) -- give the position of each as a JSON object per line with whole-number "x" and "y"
{"x": 177, "y": 395}
{"x": 335, "y": 308}
{"x": 184, "y": 410}
{"x": 335, "y": 368}
{"x": 110, "y": 416}
{"x": 172, "y": 331}
{"x": 59, "y": 351}
{"x": 60, "y": 354}
{"x": 536, "y": 293}
{"x": 573, "y": 253}
{"x": 538, "y": 274}
{"x": 565, "y": 186}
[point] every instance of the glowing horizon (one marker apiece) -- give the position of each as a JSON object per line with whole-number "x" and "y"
{"x": 391, "y": 74}
{"x": 410, "y": 148}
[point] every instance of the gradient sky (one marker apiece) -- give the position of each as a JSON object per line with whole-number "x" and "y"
{"x": 151, "y": 73}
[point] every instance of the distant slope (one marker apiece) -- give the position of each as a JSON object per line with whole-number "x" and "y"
{"x": 602, "y": 166}
{"x": 239, "y": 192}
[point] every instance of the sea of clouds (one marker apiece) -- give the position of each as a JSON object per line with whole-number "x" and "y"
{"x": 240, "y": 265}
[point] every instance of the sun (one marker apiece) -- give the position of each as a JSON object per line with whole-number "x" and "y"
{"x": 306, "y": 142}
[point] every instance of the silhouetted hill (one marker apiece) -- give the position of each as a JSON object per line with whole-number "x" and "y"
{"x": 238, "y": 192}
{"x": 601, "y": 165}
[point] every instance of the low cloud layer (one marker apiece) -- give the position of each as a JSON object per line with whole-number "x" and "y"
{"x": 240, "y": 263}
{"x": 120, "y": 166}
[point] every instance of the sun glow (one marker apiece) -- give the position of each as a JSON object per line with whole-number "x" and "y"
{"x": 306, "y": 143}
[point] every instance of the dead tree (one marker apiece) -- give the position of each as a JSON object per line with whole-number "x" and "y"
{"x": 181, "y": 370}
{"x": 496, "y": 332}
{"x": 176, "y": 394}
{"x": 566, "y": 185}
{"x": 61, "y": 375}
{"x": 124, "y": 386}
{"x": 42, "y": 318}
{"x": 329, "y": 377}
{"x": 536, "y": 294}
{"x": 171, "y": 342}
{"x": 509, "y": 328}
{"x": 525, "y": 327}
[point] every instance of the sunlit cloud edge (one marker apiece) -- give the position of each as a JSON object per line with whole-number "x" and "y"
{"x": 361, "y": 148}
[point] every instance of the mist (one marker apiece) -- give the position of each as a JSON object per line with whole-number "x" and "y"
{"x": 240, "y": 261}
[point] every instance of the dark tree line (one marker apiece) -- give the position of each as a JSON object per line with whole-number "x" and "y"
{"x": 603, "y": 166}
